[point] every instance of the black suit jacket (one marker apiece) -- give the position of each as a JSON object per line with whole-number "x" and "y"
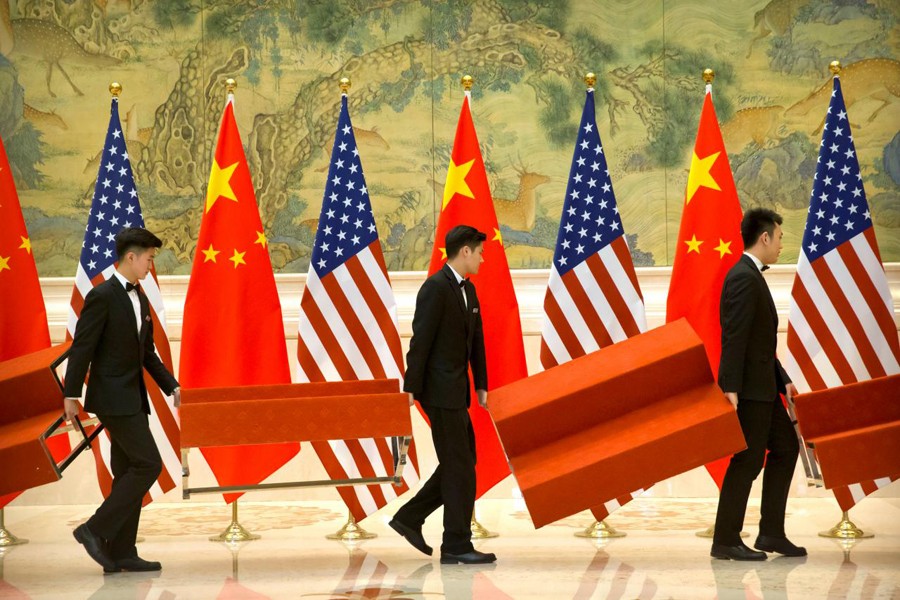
{"x": 447, "y": 338}
{"x": 749, "y": 321}
{"x": 106, "y": 340}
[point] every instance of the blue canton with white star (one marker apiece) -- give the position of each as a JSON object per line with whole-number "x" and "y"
{"x": 590, "y": 218}
{"x": 346, "y": 224}
{"x": 837, "y": 209}
{"x": 115, "y": 203}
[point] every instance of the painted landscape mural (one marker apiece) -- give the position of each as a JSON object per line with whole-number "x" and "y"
{"x": 405, "y": 59}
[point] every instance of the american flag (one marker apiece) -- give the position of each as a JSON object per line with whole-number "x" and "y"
{"x": 115, "y": 206}
{"x": 841, "y": 325}
{"x": 593, "y": 298}
{"x": 348, "y": 319}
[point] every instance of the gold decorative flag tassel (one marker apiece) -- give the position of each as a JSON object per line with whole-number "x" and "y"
{"x": 351, "y": 532}
{"x": 480, "y": 532}
{"x": 6, "y": 536}
{"x": 599, "y": 530}
{"x": 235, "y": 532}
{"x": 846, "y": 530}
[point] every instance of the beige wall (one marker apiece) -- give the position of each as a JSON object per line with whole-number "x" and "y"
{"x": 79, "y": 482}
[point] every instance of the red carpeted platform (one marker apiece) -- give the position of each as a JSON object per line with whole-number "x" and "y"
{"x": 855, "y": 430}
{"x": 30, "y": 401}
{"x": 269, "y": 414}
{"x": 605, "y": 424}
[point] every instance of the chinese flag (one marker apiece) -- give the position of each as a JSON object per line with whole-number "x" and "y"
{"x": 23, "y": 318}
{"x": 467, "y": 201}
{"x": 233, "y": 333}
{"x": 709, "y": 244}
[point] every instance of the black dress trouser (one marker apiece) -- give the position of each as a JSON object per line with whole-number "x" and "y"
{"x": 136, "y": 464}
{"x": 453, "y": 482}
{"x": 766, "y": 426}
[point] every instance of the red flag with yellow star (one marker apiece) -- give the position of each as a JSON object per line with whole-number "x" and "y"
{"x": 23, "y": 318}
{"x": 467, "y": 201}
{"x": 233, "y": 332}
{"x": 709, "y": 244}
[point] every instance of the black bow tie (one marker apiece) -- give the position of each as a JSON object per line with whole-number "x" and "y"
{"x": 764, "y": 268}
{"x": 132, "y": 286}
{"x": 462, "y": 283}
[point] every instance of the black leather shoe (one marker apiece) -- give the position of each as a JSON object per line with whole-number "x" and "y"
{"x": 781, "y": 545}
{"x": 468, "y": 558}
{"x": 739, "y": 552}
{"x": 95, "y": 547}
{"x": 413, "y": 536}
{"x": 134, "y": 565}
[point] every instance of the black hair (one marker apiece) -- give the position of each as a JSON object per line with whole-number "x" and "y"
{"x": 462, "y": 235}
{"x": 135, "y": 239}
{"x": 755, "y": 222}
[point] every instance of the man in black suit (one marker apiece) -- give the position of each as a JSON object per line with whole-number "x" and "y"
{"x": 447, "y": 339}
{"x": 752, "y": 377}
{"x": 114, "y": 338}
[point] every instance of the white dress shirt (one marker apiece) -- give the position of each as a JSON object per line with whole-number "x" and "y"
{"x": 756, "y": 261}
{"x": 135, "y": 302}
{"x": 459, "y": 279}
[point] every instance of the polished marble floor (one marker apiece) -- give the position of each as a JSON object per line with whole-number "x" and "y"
{"x": 659, "y": 558}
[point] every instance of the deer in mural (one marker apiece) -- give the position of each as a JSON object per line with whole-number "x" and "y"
{"x": 519, "y": 213}
{"x": 875, "y": 78}
{"x": 775, "y": 17}
{"x": 516, "y": 213}
{"x": 47, "y": 42}
{"x": 43, "y": 119}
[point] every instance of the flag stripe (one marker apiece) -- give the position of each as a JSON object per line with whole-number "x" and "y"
{"x": 334, "y": 353}
{"x": 586, "y": 318}
{"x": 809, "y": 376}
{"x": 350, "y": 318}
{"x": 336, "y": 458}
{"x": 615, "y": 314}
{"x": 809, "y": 306}
{"x": 563, "y": 313}
{"x": 841, "y": 295}
{"x": 336, "y": 322}
{"x": 309, "y": 368}
{"x": 880, "y": 308}
{"x": 372, "y": 283}
{"x": 553, "y": 351}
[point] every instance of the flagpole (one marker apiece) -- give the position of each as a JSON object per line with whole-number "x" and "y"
{"x": 6, "y": 536}
{"x": 235, "y": 532}
{"x": 598, "y": 530}
{"x": 479, "y": 531}
{"x": 708, "y": 76}
{"x": 845, "y": 529}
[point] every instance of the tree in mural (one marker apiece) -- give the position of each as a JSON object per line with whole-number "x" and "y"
{"x": 500, "y": 43}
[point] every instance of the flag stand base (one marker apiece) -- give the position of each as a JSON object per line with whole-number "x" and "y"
{"x": 599, "y": 530}
{"x": 6, "y": 536}
{"x": 480, "y": 532}
{"x": 235, "y": 532}
{"x": 351, "y": 532}
{"x": 846, "y": 530}
{"x": 710, "y": 531}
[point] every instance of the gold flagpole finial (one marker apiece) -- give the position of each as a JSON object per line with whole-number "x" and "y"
{"x": 345, "y": 85}
{"x": 230, "y": 84}
{"x": 590, "y": 79}
{"x": 708, "y": 75}
{"x": 115, "y": 88}
{"x": 835, "y": 67}
{"x": 467, "y": 82}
